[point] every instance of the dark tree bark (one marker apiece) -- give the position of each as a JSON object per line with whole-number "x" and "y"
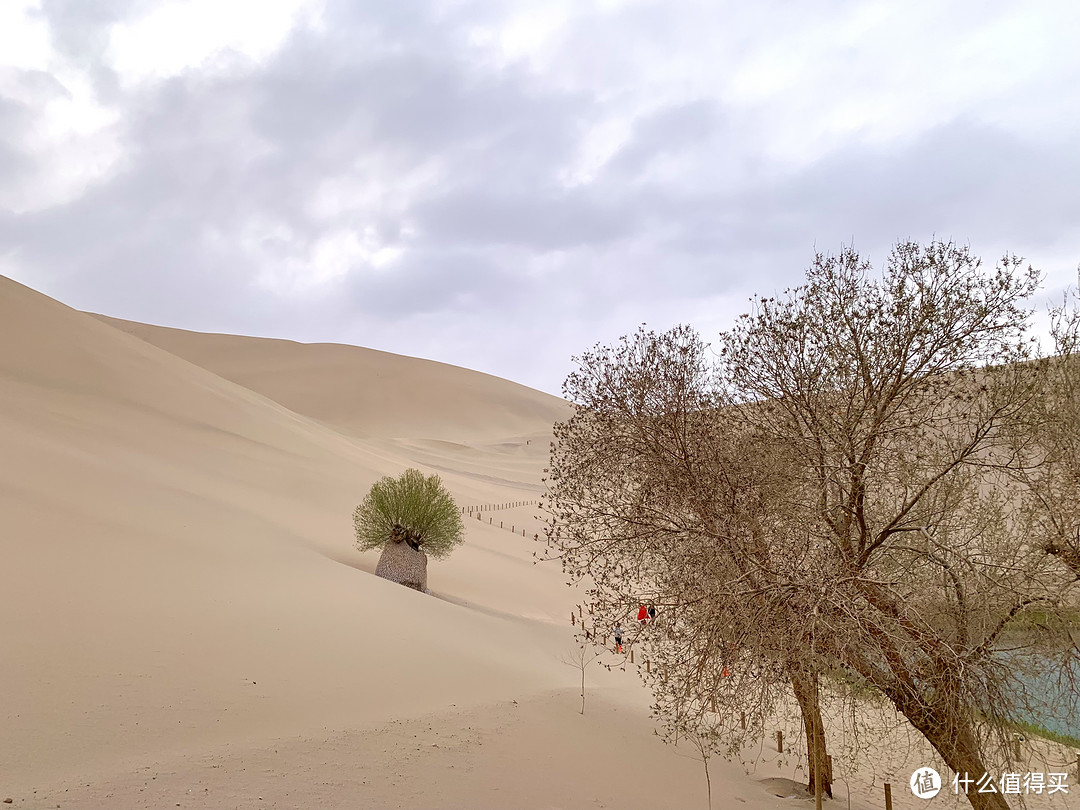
{"x": 956, "y": 744}
{"x": 805, "y": 686}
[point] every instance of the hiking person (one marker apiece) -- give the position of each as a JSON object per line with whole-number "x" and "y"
{"x": 643, "y": 615}
{"x": 652, "y": 613}
{"x": 618, "y": 638}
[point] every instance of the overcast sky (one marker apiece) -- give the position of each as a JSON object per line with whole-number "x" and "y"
{"x": 501, "y": 184}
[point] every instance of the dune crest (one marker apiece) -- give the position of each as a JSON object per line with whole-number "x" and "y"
{"x": 363, "y": 392}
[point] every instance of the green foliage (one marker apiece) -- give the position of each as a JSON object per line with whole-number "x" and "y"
{"x": 1034, "y": 730}
{"x": 411, "y": 508}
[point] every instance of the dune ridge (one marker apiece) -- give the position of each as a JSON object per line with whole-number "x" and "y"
{"x": 363, "y": 392}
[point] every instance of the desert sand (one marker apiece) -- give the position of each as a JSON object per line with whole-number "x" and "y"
{"x": 186, "y": 623}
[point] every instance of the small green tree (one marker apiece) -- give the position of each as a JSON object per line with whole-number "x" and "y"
{"x": 413, "y": 508}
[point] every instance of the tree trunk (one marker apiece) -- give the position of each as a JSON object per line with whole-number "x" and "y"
{"x": 958, "y": 747}
{"x": 583, "y": 662}
{"x": 805, "y": 686}
{"x": 708, "y": 780}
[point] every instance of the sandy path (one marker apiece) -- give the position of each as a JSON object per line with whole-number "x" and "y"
{"x": 536, "y": 752}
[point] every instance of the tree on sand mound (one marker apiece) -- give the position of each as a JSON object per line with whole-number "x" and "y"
{"x": 409, "y": 517}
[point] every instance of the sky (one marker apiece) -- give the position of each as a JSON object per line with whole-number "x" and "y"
{"x": 500, "y": 184}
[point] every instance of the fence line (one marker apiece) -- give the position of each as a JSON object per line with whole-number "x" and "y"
{"x": 469, "y": 510}
{"x": 480, "y": 510}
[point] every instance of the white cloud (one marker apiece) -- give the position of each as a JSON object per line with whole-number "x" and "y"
{"x": 290, "y": 266}
{"x": 182, "y": 34}
{"x": 886, "y": 73}
{"x": 73, "y": 140}
{"x": 68, "y": 141}
{"x": 24, "y": 35}
{"x": 597, "y": 146}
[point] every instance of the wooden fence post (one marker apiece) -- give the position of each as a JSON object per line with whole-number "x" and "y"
{"x": 742, "y": 720}
{"x": 648, "y": 666}
{"x": 779, "y": 742}
{"x": 631, "y": 656}
{"x": 888, "y": 796}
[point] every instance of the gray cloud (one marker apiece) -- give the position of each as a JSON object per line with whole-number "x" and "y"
{"x": 670, "y": 132}
{"x": 384, "y": 180}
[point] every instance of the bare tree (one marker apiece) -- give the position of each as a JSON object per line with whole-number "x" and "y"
{"x": 703, "y": 746}
{"x": 660, "y": 494}
{"x": 836, "y": 505}
{"x": 583, "y": 655}
{"x": 1047, "y": 437}
{"x": 897, "y": 395}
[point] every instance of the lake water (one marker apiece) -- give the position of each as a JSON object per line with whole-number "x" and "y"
{"x": 1063, "y": 719}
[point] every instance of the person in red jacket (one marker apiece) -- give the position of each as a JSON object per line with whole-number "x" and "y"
{"x": 643, "y": 614}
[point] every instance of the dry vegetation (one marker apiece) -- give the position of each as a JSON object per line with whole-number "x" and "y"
{"x": 870, "y": 490}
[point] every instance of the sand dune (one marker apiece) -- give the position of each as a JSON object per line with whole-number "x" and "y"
{"x": 166, "y": 575}
{"x": 186, "y": 623}
{"x": 364, "y": 392}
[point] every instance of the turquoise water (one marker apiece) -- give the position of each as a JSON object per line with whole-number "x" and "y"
{"x": 1058, "y": 711}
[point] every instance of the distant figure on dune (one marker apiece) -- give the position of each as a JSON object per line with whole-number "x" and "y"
{"x": 408, "y": 517}
{"x": 618, "y": 637}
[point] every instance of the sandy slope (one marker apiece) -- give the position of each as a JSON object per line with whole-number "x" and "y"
{"x": 364, "y": 392}
{"x": 185, "y": 622}
{"x": 167, "y": 579}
